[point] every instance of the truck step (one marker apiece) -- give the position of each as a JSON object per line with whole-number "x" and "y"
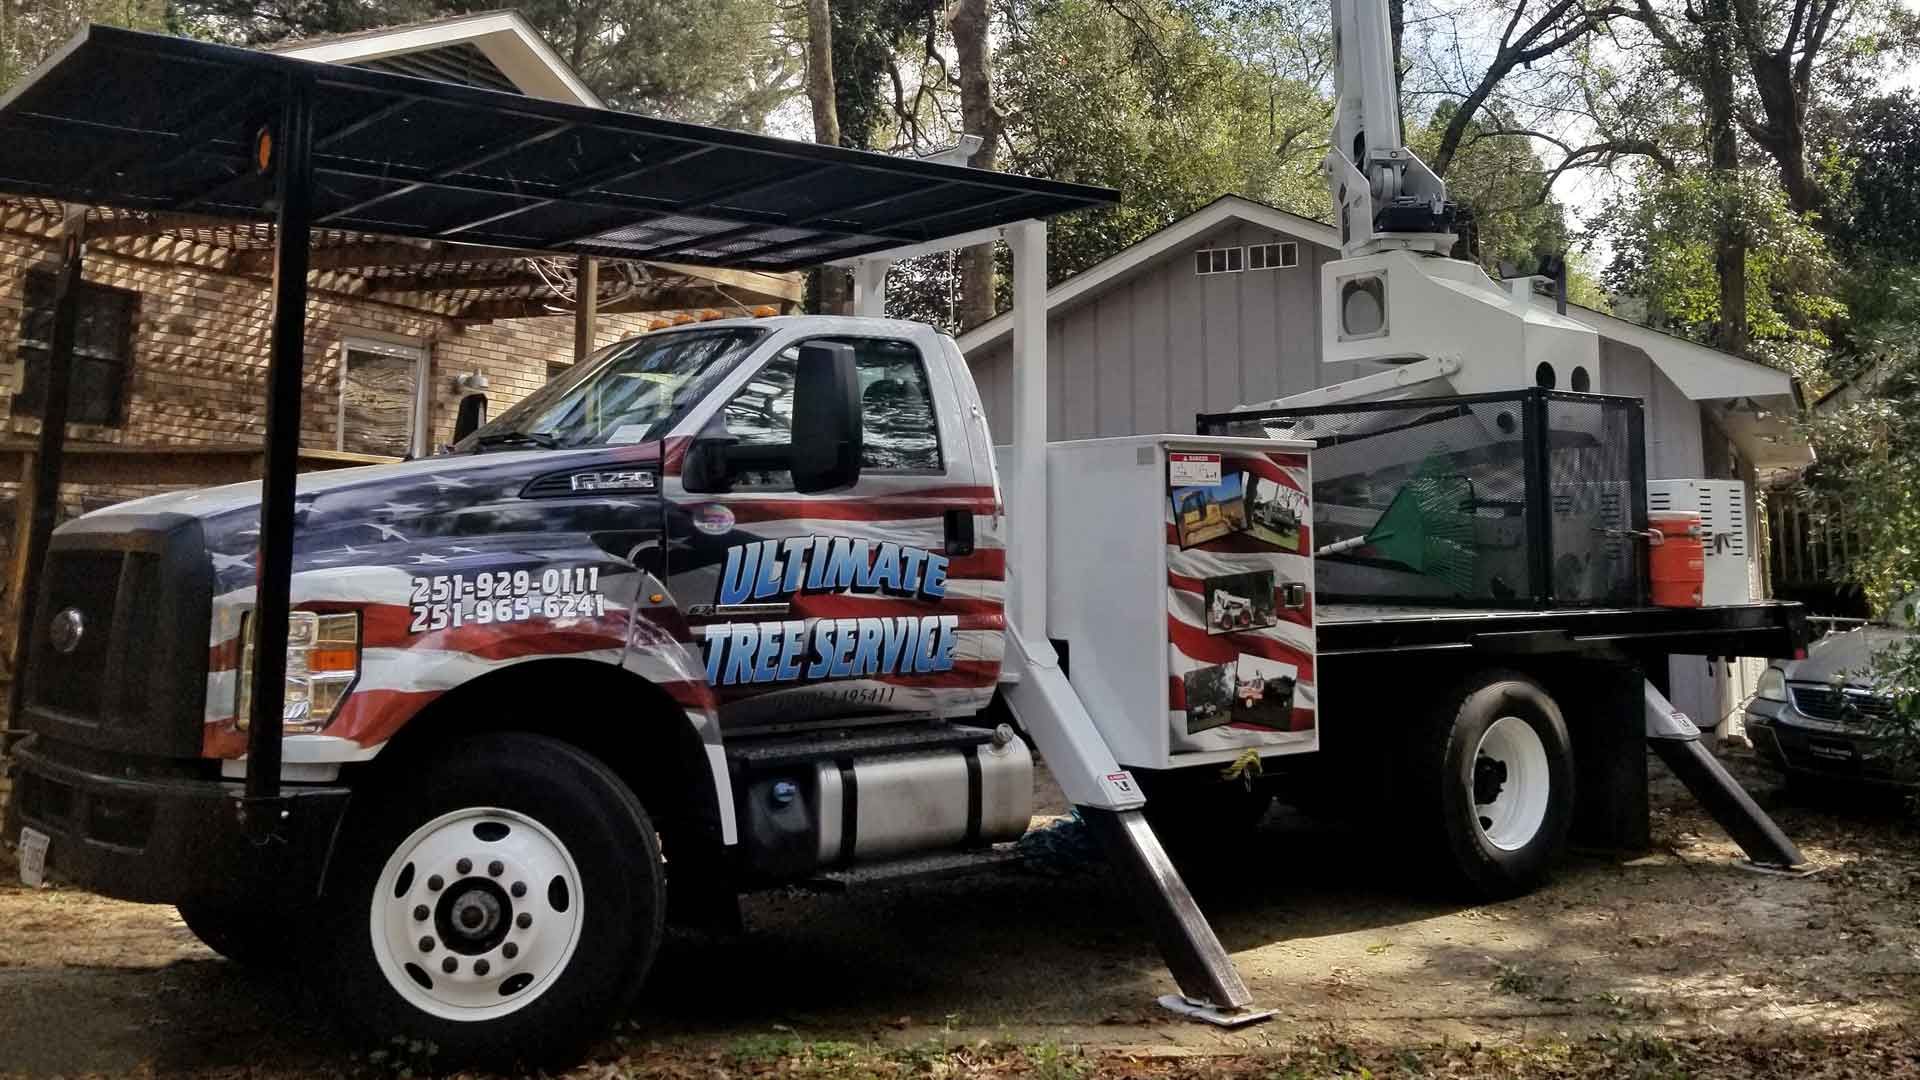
{"x": 942, "y": 864}
{"x": 782, "y": 751}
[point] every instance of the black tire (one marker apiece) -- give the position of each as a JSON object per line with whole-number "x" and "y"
{"x": 247, "y": 936}
{"x": 1442, "y": 814}
{"x": 600, "y": 825}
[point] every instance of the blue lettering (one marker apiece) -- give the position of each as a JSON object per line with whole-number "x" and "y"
{"x": 766, "y": 666}
{"x": 913, "y": 560}
{"x": 795, "y": 548}
{"x": 736, "y": 581}
{"x": 885, "y": 571}
{"x": 817, "y": 561}
{"x": 822, "y": 649}
{"x": 716, "y": 635}
{"x": 866, "y": 658}
{"x": 949, "y": 639}
{"x": 793, "y": 636}
{"x": 899, "y": 638}
{"x": 846, "y": 637}
{"x": 767, "y": 581}
{"x": 846, "y": 563}
{"x": 740, "y": 654}
{"x": 934, "y": 582}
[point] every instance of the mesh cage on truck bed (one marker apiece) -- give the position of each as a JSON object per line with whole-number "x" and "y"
{"x": 1526, "y": 498}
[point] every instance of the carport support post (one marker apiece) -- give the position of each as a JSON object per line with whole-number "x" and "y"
{"x": 1027, "y": 499}
{"x": 40, "y": 501}
{"x": 586, "y": 305}
{"x": 870, "y": 287}
{"x": 292, "y": 163}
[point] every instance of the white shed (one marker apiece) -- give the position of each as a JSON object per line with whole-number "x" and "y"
{"x": 1222, "y": 308}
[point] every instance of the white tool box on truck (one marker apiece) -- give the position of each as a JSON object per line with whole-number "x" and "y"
{"x": 1180, "y": 577}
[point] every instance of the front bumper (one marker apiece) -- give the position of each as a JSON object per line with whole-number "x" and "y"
{"x": 122, "y": 827}
{"x": 1793, "y": 742}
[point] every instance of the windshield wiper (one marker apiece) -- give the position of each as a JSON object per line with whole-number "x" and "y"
{"x": 512, "y": 438}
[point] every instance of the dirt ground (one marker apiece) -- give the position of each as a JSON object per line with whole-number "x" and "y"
{"x": 1679, "y": 944}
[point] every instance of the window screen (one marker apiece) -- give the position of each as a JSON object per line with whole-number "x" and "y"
{"x": 899, "y": 430}
{"x": 102, "y": 350}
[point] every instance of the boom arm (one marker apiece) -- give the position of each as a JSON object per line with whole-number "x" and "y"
{"x": 1385, "y": 195}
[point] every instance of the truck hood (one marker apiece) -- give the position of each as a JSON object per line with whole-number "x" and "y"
{"x": 1846, "y": 657}
{"x": 410, "y": 511}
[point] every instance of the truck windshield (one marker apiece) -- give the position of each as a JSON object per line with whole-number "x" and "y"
{"x": 628, "y": 392}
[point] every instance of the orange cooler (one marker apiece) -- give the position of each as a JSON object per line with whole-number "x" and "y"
{"x": 1678, "y": 559}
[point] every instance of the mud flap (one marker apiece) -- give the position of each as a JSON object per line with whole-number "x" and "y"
{"x": 1675, "y": 738}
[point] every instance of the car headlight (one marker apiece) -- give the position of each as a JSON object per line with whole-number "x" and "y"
{"x": 1773, "y": 685}
{"x": 323, "y": 659}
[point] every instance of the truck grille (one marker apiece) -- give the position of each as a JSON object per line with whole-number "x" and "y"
{"x": 135, "y": 678}
{"x": 1840, "y": 706}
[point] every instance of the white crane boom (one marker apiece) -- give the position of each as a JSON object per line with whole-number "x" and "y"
{"x": 1385, "y": 195}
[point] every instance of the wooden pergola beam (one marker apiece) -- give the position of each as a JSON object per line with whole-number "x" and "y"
{"x": 442, "y": 283}
{"x": 693, "y": 298}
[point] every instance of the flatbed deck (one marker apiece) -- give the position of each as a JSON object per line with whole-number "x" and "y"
{"x": 1770, "y": 629}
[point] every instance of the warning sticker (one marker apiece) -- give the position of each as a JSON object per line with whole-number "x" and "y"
{"x": 1192, "y": 470}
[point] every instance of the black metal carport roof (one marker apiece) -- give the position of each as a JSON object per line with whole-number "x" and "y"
{"x": 149, "y": 122}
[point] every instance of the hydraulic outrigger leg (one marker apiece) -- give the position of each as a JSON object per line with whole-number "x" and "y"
{"x": 1675, "y": 738}
{"x": 1110, "y": 803}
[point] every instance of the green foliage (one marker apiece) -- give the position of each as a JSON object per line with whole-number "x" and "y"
{"x": 1501, "y": 178}
{"x": 1883, "y": 174}
{"x": 30, "y": 32}
{"x": 727, "y": 62}
{"x": 1664, "y": 231}
{"x": 1159, "y": 105}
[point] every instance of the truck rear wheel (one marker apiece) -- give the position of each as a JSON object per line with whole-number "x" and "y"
{"x": 502, "y": 903}
{"x": 1490, "y": 781}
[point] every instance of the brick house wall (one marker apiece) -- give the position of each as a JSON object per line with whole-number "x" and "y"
{"x": 197, "y": 374}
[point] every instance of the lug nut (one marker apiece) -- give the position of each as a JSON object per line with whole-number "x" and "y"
{"x": 480, "y": 967}
{"x": 420, "y": 912}
{"x": 523, "y": 920}
{"x": 435, "y": 883}
{"x": 519, "y": 889}
{"x": 464, "y": 866}
{"x": 509, "y": 950}
{"x": 496, "y": 868}
{"x": 426, "y": 944}
{"x": 449, "y": 965}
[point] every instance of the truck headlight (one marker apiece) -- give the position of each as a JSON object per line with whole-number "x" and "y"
{"x": 1773, "y": 685}
{"x": 323, "y": 659}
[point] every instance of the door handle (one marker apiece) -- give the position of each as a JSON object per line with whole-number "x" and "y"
{"x": 959, "y": 531}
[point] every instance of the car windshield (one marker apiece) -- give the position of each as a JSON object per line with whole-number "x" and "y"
{"x": 629, "y": 392}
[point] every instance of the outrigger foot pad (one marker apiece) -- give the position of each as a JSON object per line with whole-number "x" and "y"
{"x": 1200, "y": 965}
{"x": 1200, "y": 1010}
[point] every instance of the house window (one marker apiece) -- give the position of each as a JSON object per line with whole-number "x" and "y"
{"x": 102, "y": 350}
{"x": 1273, "y": 256}
{"x": 1230, "y": 260}
{"x": 899, "y": 432}
{"x": 380, "y": 391}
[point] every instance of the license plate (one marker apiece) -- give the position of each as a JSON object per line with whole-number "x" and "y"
{"x": 33, "y": 856}
{"x": 1831, "y": 751}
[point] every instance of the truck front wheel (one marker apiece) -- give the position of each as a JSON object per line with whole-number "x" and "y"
{"x": 1491, "y": 784}
{"x": 500, "y": 903}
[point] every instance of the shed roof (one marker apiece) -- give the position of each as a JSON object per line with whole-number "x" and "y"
{"x": 1146, "y": 252}
{"x": 155, "y": 123}
{"x": 489, "y": 48}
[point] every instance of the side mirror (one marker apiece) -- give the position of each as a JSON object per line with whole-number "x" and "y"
{"x": 472, "y": 414}
{"x": 705, "y": 470}
{"x": 826, "y": 418}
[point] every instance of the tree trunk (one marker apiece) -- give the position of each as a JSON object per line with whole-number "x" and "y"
{"x": 968, "y": 20}
{"x": 834, "y": 293}
{"x": 1723, "y": 154}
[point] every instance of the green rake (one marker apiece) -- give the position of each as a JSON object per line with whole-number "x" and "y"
{"x": 1427, "y": 528}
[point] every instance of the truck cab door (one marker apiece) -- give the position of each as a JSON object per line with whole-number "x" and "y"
{"x": 862, "y": 601}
